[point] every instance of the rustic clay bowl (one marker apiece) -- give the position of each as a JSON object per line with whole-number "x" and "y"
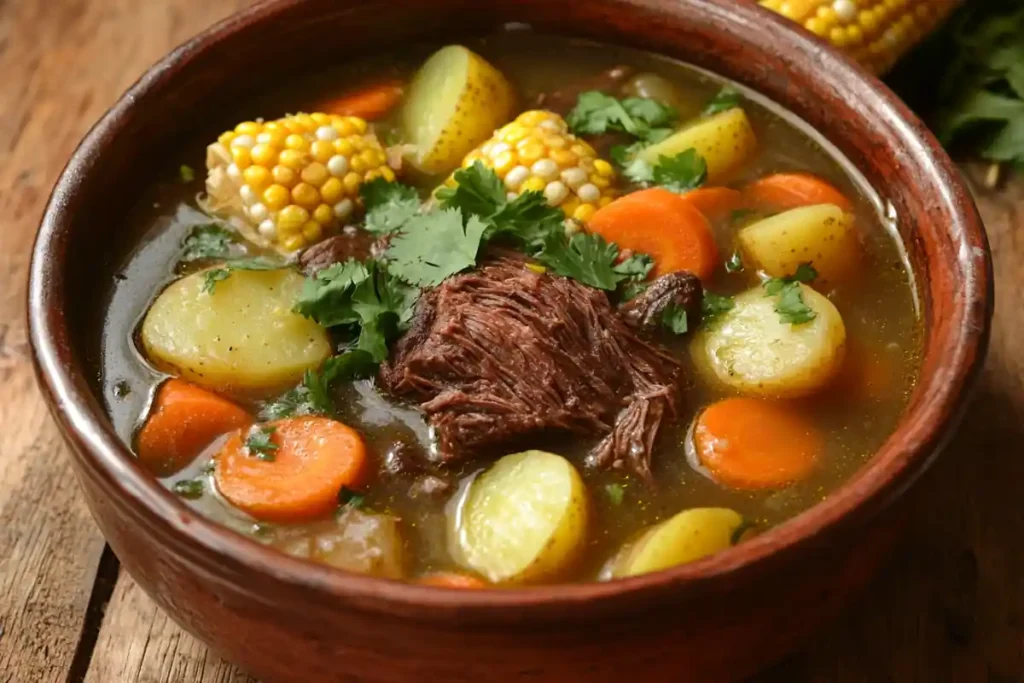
{"x": 716, "y": 619}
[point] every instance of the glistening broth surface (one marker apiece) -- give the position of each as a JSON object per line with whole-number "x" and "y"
{"x": 856, "y": 413}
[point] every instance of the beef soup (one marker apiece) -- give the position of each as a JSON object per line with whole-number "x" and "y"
{"x": 525, "y": 311}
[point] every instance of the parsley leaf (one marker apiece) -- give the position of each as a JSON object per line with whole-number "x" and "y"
{"x": 726, "y": 99}
{"x": 682, "y": 172}
{"x": 585, "y": 257}
{"x": 616, "y": 493}
{"x": 596, "y": 113}
{"x": 432, "y": 247}
{"x": 735, "y": 263}
{"x": 388, "y": 205}
{"x": 215, "y": 275}
{"x": 349, "y": 498}
{"x": 190, "y": 489}
{"x": 714, "y": 305}
{"x": 259, "y": 444}
{"x": 790, "y": 303}
{"x": 207, "y": 241}
{"x": 186, "y": 173}
{"x": 674, "y": 318}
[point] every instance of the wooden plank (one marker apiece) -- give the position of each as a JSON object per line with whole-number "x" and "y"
{"x": 63, "y": 63}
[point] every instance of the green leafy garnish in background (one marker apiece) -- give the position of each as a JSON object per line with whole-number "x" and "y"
{"x": 207, "y": 241}
{"x": 714, "y": 305}
{"x": 679, "y": 173}
{"x": 596, "y": 113}
{"x": 388, "y": 205}
{"x": 726, "y": 99}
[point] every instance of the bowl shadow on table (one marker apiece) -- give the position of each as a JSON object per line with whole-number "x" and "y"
{"x": 949, "y": 604}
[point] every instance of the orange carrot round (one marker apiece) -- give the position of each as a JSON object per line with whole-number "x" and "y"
{"x": 452, "y": 580}
{"x": 750, "y": 443}
{"x": 314, "y": 459}
{"x": 663, "y": 224}
{"x": 791, "y": 190}
{"x": 716, "y": 203}
{"x": 183, "y": 421}
{"x": 370, "y": 103}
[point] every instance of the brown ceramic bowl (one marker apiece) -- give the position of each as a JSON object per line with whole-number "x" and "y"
{"x": 717, "y": 619}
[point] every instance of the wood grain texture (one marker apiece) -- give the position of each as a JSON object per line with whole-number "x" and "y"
{"x": 950, "y": 607}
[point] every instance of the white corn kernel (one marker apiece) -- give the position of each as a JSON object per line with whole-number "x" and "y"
{"x": 326, "y": 133}
{"x": 588, "y": 193}
{"x": 234, "y": 173}
{"x": 545, "y": 169}
{"x": 259, "y": 212}
{"x": 248, "y": 195}
{"x": 515, "y": 177}
{"x": 556, "y": 193}
{"x": 343, "y": 209}
{"x": 268, "y": 229}
{"x": 497, "y": 149}
{"x": 574, "y": 177}
{"x": 243, "y": 141}
{"x": 264, "y": 138}
{"x": 337, "y": 165}
{"x": 549, "y": 124}
{"x": 846, "y": 10}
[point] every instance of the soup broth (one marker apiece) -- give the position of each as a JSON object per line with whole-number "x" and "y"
{"x": 852, "y": 412}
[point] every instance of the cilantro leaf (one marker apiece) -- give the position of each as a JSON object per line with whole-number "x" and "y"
{"x": 585, "y": 257}
{"x": 714, "y": 305}
{"x": 674, "y": 318}
{"x": 432, "y": 247}
{"x": 637, "y": 266}
{"x": 479, "y": 192}
{"x": 726, "y": 99}
{"x": 639, "y": 171}
{"x": 312, "y": 396}
{"x": 326, "y": 297}
{"x": 735, "y": 263}
{"x": 207, "y": 241}
{"x": 616, "y": 493}
{"x": 790, "y": 303}
{"x": 221, "y": 273}
{"x": 682, "y": 172}
{"x": 388, "y": 205}
{"x": 350, "y": 498}
{"x": 805, "y": 273}
{"x": 596, "y": 113}
{"x": 259, "y": 442}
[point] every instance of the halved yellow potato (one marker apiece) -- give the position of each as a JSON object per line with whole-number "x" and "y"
{"x": 455, "y": 101}
{"x": 242, "y": 336}
{"x": 821, "y": 235}
{"x": 524, "y": 519}
{"x": 725, "y": 140}
{"x": 752, "y": 350}
{"x": 689, "y": 536}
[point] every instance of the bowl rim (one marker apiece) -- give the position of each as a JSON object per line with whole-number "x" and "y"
{"x": 878, "y": 482}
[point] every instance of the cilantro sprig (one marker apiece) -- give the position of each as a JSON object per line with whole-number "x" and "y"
{"x": 313, "y": 395}
{"x": 259, "y": 442}
{"x": 388, "y": 205}
{"x": 679, "y": 173}
{"x": 207, "y": 241}
{"x": 789, "y": 303}
{"x": 596, "y": 113}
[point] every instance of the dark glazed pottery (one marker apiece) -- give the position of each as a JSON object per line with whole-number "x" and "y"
{"x": 716, "y": 619}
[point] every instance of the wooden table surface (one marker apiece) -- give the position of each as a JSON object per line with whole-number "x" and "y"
{"x": 949, "y": 606}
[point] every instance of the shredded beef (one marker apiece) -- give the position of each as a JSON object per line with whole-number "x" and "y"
{"x": 645, "y": 311}
{"x": 504, "y": 353}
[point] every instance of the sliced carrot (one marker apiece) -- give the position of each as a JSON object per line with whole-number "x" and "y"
{"x": 370, "y": 103}
{"x": 663, "y": 224}
{"x": 183, "y": 421}
{"x": 452, "y": 580}
{"x": 716, "y": 203}
{"x": 315, "y": 458}
{"x": 790, "y": 190}
{"x": 750, "y": 443}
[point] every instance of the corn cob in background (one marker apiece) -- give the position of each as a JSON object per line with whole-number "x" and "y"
{"x": 289, "y": 183}
{"x": 537, "y": 152}
{"x": 874, "y": 32}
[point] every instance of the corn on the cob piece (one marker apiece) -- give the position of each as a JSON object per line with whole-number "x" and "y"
{"x": 537, "y": 152}
{"x": 874, "y": 32}
{"x": 289, "y": 183}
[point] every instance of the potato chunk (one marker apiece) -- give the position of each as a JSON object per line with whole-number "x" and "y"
{"x": 689, "y": 536}
{"x": 522, "y": 520}
{"x": 455, "y": 102}
{"x": 242, "y": 336}
{"x": 725, "y": 140}
{"x": 821, "y": 234}
{"x": 751, "y": 349}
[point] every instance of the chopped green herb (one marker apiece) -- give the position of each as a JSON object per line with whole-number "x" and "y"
{"x": 597, "y": 113}
{"x": 388, "y": 205}
{"x": 805, "y": 273}
{"x": 639, "y": 171}
{"x": 616, "y": 493}
{"x": 259, "y": 442}
{"x": 189, "y": 488}
{"x": 186, "y": 173}
{"x": 790, "y": 303}
{"x": 674, "y": 318}
{"x": 349, "y": 498}
{"x": 586, "y": 257}
{"x": 122, "y": 388}
{"x": 215, "y": 275}
{"x": 682, "y": 172}
{"x": 207, "y": 241}
{"x": 735, "y": 263}
{"x": 432, "y": 247}
{"x": 208, "y": 467}
{"x": 632, "y": 289}
{"x": 727, "y": 98}
{"x": 312, "y": 396}
{"x": 714, "y": 305}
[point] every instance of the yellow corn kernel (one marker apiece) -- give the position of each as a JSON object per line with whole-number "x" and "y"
{"x": 332, "y": 191}
{"x": 570, "y": 205}
{"x": 284, "y": 176}
{"x": 316, "y": 174}
{"x": 322, "y": 150}
{"x": 504, "y": 162}
{"x": 226, "y": 138}
{"x": 293, "y": 243}
{"x": 296, "y": 142}
{"x": 321, "y": 119}
{"x": 351, "y": 181}
{"x": 515, "y": 134}
{"x": 241, "y": 156}
{"x": 344, "y": 147}
{"x": 605, "y": 201}
{"x": 600, "y": 181}
{"x": 554, "y": 142}
{"x": 291, "y": 219}
{"x": 276, "y": 197}
{"x": 257, "y": 177}
{"x": 584, "y": 212}
{"x": 311, "y": 231}
{"x": 292, "y": 159}
{"x": 530, "y": 153}
{"x": 249, "y": 128}
{"x": 563, "y": 157}
{"x": 323, "y": 214}
{"x": 533, "y": 184}
{"x": 360, "y": 124}
{"x": 357, "y": 164}
{"x": 387, "y": 174}
{"x": 263, "y": 154}
{"x": 305, "y": 195}
{"x": 603, "y": 168}
{"x": 531, "y": 118}
{"x": 306, "y": 121}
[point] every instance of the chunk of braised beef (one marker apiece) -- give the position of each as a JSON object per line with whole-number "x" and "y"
{"x": 645, "y": 311}
{"x": 503, "y": 354}
{"x": 351, "y": 242}
{"x": 562, "y": 100}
